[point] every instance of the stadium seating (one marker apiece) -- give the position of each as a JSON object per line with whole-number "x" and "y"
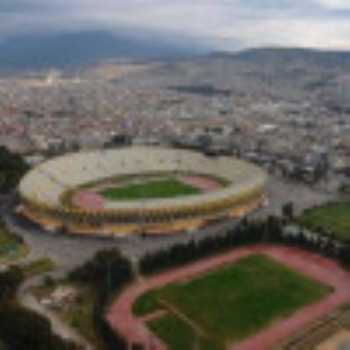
{"x": 45, "y": 185}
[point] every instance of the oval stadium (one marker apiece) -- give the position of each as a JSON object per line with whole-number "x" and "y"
{"x": 135, "y": 190}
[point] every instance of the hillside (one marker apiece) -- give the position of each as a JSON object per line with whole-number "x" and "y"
{"x": 79, "y": 49}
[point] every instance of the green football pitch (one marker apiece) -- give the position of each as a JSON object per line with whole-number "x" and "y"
{"x": 334, "y": 217}
{"x": 228, "y": 304}
{"x": 165, "y": 188}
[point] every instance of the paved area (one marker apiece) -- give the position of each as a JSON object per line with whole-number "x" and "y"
{"x": 327, "y": 271}
{"x": 69, "y": 252}
{"x": 303, "y": 196}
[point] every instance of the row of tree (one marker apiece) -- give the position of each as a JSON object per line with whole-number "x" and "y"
{"x": 183, "y": 253}
{"x": 270, "y": 230}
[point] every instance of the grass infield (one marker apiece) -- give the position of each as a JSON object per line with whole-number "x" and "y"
{"x": 334, "y": 217}
{"x": 231, "y": 303}
{"x": 165, "y": 188}
{"x": 178, "y": 335}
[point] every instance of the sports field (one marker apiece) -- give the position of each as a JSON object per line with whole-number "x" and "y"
{"x": 229, "y": 304}
{"x": 334, "y": 217}
{"x": 163, "y": 188}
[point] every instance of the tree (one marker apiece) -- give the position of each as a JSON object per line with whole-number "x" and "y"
{"x": 288, "y": 211}
{"x": 107, "y": 269}
{"x": 9, "y": 282}
{"x": 21, "y": 329}
{"x": 274, "y": 228}
{"x": 12, "y": 168}
{"x": 106, "y": 273}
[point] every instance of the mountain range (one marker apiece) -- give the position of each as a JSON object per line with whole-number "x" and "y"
{"x": 326, "y": 59}
{"x": 79, "y": 49}
{"x": 76, "y": 50}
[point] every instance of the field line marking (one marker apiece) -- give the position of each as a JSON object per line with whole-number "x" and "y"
{"x": 172, "y": 309}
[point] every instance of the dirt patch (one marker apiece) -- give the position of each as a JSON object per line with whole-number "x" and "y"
{"x": 340, "y": 341}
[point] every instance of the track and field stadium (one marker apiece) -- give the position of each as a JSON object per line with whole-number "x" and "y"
{"x": 146, "y": 190}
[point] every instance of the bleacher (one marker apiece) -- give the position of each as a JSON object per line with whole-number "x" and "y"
{"x": 49, "y": 181}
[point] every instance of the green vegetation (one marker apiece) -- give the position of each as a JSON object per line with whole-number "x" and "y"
{"x": 38, "y": 267}
{"x": 12, "y": 247}
{"x": 99, "y": 280}
{"x": 22, "y": 329}
{"x": 236, "y": 301}
{"x": 12, "y": 168}
{"x": 173, "y": 332}
{"x": 78, "y": 313}
{"x": 178, "y": 335}
{"x": 333, "y": 217}
{"x": 95, "y": 282}
{"x": 146, "y": 304}
{"x": 166, "y": 188}
{"x": 10, "y": 280}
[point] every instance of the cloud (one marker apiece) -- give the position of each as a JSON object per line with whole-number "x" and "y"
{"x": 221, "y": 24}
{"x": 290, "y": 32}
{"x": 334, "y": 4}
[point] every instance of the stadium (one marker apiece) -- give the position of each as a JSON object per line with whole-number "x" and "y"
{"x": 139, "y": 190}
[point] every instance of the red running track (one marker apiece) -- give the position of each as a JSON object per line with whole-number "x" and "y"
{"x": 88, "y": 200}
{"x": 327, "y": 271}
